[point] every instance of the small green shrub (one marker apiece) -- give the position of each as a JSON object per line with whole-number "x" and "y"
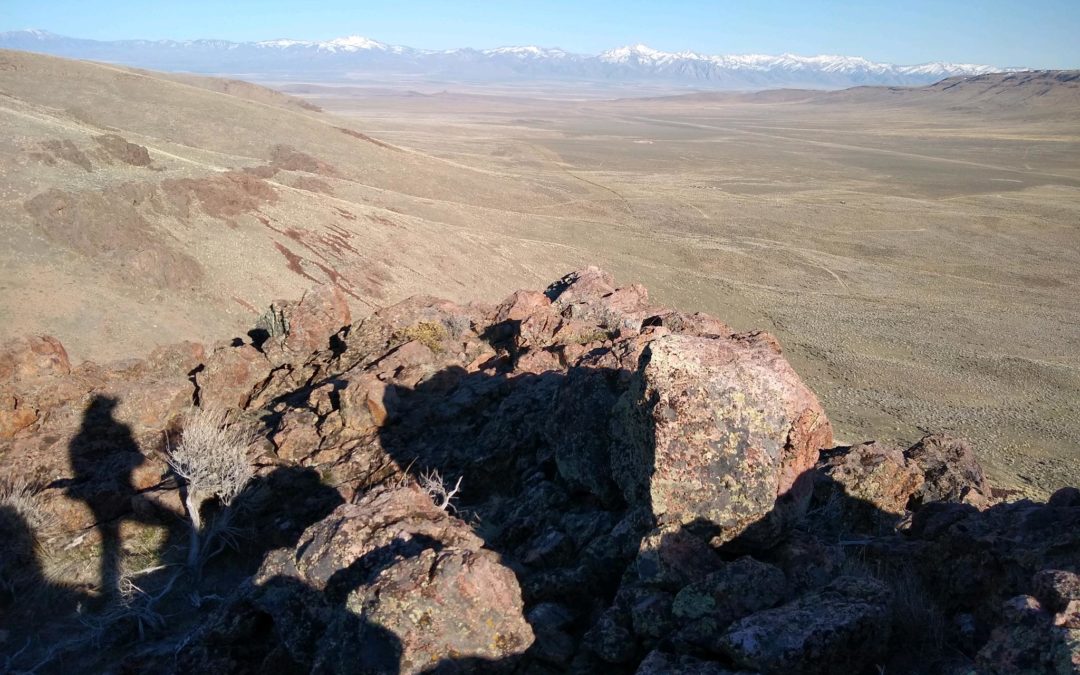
{"x": 594, "y": 335}
{"x": 428, "y": 333}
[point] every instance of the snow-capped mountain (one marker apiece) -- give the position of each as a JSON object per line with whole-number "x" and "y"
{"x": 356, "y": 56}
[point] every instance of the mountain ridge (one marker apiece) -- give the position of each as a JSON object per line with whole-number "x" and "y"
{"x": 353, "y": 55}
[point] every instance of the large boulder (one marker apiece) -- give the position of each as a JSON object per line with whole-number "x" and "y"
{"x": 578, "y": 431}
{"x": 704, "y": 609}
{"x": 230, "y": 374}
{"x": 718, "y": 431}
{"x": 581, "y": 287}
{"x": 394, "y": 584}
{"x": 740, "y": 588}
{"x": 306, "y": 325}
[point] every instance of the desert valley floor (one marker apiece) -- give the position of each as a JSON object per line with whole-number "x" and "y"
{"x": 919, "y": 260}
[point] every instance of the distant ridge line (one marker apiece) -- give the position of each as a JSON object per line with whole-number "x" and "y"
{"x": 350, "y": 56}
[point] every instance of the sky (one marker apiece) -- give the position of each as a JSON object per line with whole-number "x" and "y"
{"x": 1033, "y": 33}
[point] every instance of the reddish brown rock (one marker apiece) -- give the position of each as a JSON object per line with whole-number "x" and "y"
{"x": 875, "y": 473}
{"x": 178, "y": 359}
{"x": 366, "y": 401}
{"x": 521, "y": 305}
{"x": 617, "y": 457}
{"x": 525, "y": 320}
{"x": 321, "y": 312}
{"x": 718, "y": 430}
{"x": 230, "y": 374}
{"x": 693, "y": 324}
{"x": 297, "y": 436}
{"x": 15, "y": 416}
{"x": 582, "y": 286}
{"x": 865, "y": 487}
{"x": 33, "y": 357}
{"x": 952, "y": 472}
{"x": 417, "y": 573}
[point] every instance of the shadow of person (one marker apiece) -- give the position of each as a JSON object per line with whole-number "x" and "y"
{"x": 103, "y": 457}
{"x": 21, "y": 577}
{"x": 27, "y": 596}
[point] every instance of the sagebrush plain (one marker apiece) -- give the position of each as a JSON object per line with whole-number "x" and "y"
{"x": 917, "y": 252}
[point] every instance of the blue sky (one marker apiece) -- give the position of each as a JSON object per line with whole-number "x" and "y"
{"x": 1035, "y": 33}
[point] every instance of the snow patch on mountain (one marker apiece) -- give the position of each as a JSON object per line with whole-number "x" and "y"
{"x": 356, "y": 54}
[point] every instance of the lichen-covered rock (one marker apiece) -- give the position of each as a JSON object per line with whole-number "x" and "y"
{"x": 650, "y": 615}
{"x": 874, "y": 483}
{"x": 807, "y": 561}
{"x": 951, "y": 472}
{"x": 1029, "y": 642}
{"x": 739, "y": 589}
{"x": 1055, "y": 589}
{"x": 616, "y": 460}
{"x": 395, "y": 570}
{"x": 718, "y": 431}
{"x": 845, "y": 627}
{"x": 704, "y": 609}
{"x": 672, "y": 557}
{"x": 612, "y": 637}
{"x": 578, "y": 431}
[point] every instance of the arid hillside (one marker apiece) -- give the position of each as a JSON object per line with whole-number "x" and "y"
{"x": 142, "y": 208}
{"x": 1045, "y": 95}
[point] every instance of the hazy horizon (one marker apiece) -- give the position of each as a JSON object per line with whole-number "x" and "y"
{"x": 1037, "y": 35}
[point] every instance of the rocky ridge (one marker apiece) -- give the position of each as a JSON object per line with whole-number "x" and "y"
{"x": 635, "y": 490}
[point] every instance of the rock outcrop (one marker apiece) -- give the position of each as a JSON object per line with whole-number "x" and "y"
{"x": 719, "y": 429}
{"x": 572, "y": 480}
{"x": 389, "y": 584}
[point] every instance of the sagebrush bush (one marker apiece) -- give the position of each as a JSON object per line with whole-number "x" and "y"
{"x": 22, "y": 522}
{"x": 21, "y": 496}
{"x": 212, "y": 460}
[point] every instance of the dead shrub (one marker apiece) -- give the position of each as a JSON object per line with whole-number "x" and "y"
{"x": 212, "y": 460}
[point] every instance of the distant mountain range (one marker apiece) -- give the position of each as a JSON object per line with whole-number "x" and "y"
{"x": 357, "y": 57}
